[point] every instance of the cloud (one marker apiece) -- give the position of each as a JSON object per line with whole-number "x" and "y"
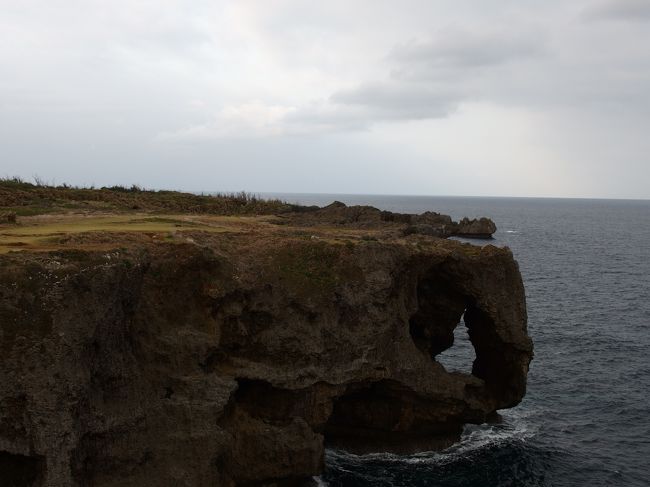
{"x": 464, "y": 48}
{"x": 248, "y": 120}
{"x": 323, "y": 117}
{"x": 428, "y": 79}
{"x": 255, "y": 120}
{"x": 412, "y": 95}
{"x": 247, "y": 77}
{"x": 400, "y": 101}
{"x": 635, "y": 10}
{"x": 345, "y": 111}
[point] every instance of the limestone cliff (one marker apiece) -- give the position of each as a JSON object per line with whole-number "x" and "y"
{"x": 234, "y": 358}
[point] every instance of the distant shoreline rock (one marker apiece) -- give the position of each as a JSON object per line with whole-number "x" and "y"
{"x": 476, "y": 228}
{"x": 364, "y": 217}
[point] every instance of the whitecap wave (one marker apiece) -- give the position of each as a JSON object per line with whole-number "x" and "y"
{"x": 319, "y": 482}
{"x": 515, "y": 426}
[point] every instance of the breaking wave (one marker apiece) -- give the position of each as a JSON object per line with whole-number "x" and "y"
{"x": 494, "y": 454}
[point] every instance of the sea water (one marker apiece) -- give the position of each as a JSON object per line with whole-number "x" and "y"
{"x": 585, "y": 420}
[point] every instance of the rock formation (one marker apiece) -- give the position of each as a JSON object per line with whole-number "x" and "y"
{"x": 233, "y": 360}
{"x": 477, "y": 228}
{"x": 428, "y": 223}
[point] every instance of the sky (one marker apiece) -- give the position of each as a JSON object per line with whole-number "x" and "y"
{"x": 427, "y": 97}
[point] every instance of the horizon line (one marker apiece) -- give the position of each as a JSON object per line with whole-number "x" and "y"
{"x": 448, "y": 196}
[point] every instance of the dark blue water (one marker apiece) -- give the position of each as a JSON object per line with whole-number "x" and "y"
{"x": 585, "y": 420}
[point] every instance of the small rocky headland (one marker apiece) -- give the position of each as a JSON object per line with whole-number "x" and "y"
{"x": 154, "y": 338}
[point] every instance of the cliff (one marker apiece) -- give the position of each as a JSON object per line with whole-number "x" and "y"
{"x": 229, "y": 351}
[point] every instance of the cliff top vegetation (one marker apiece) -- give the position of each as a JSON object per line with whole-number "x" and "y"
{"x": 28, "y": 199}
{"x": 44, "y": 217}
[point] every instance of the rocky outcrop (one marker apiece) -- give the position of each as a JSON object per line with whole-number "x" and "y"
{"x": 476, "y": 228}
{"x": 367, "y": 217}
{"x": 234, "y": 360}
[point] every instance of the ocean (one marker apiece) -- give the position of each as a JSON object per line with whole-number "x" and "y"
{"x": 585, "y": 420}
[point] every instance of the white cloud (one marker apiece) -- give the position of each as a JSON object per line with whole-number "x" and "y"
{"x": 249, "y": 120}
{"x": 395, "y": 98}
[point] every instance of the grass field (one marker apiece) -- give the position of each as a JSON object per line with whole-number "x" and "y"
{"x": 52, "y": 217}
{"x": 56, "y": 231}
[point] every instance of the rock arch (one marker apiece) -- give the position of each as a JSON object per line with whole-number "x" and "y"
{"x": 445, "y": 297}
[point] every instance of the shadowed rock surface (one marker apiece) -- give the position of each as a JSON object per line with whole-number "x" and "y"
{"x": 234, "y": 359}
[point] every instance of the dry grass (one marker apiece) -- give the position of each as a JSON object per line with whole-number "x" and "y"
{"x": 34, "y": 199}
{"x": 64, "y": 217}
{"x": 52, "y": 232}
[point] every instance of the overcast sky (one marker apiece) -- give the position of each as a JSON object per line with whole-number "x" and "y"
{"x": 458, "y": 97}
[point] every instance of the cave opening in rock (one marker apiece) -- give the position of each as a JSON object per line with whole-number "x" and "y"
{"x": 21, "y": 470}
{"x": 438, "y": 327}
{"x": 388, "y": 416}
{"x": 461, "y": 355}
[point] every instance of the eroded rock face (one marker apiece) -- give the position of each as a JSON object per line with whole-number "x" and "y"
{"x": 234, "y": 360}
